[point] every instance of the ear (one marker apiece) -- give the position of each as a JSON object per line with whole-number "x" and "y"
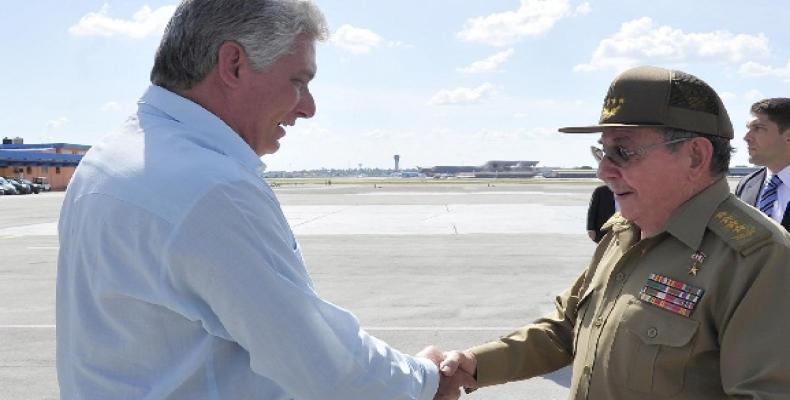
{"x": 230, "y": 58}
{"x": 700, "y": 153}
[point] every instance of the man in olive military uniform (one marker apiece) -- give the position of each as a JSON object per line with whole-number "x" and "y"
{"x": 687, "y": 294}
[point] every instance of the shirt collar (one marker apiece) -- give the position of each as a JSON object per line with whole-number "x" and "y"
{"x": 689, "y": 222}
{"x": 784, "y": 175}
{"x": 202, "y": 126}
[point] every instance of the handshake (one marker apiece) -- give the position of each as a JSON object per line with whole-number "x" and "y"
{"x": 456, "y": 370}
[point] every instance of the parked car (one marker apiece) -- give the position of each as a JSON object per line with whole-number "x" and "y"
{"x": 19, "y": 186}
{"x": 8, "y": 188}
{"x": 43, "y": 182}
{"x": 34, "y": 187}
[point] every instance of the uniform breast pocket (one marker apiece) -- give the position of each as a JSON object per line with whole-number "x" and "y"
{"x": 651, "y": 348}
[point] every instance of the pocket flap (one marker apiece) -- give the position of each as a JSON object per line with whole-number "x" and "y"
{"x": 659, "y": 327}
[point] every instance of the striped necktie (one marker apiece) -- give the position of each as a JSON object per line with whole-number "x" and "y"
{"x": 769, "y": 195}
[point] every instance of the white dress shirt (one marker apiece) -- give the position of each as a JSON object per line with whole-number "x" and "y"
{"x": 782, "y": 193}
{"x": 179, "y": 278}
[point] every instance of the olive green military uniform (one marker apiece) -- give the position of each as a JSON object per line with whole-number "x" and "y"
{"x": 698, "y": 311}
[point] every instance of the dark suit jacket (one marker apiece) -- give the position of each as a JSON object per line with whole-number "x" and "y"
{"x": 749, "y": 189}
{"x": 600, "y": 210}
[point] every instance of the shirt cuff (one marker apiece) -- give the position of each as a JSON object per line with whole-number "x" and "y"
{"x": 430, "y": 380}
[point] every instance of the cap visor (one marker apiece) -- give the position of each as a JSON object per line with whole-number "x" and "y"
{"x": 601, "y": 127}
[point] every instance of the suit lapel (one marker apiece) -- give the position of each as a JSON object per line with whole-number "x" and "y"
{"x": 752, "y": 188}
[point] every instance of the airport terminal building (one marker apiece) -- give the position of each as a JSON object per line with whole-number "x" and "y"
{"x": 54, "y": 161}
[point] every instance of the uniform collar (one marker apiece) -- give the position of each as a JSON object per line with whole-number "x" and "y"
{"x": 202, "y": 126}
{"x": 689, "y": 222}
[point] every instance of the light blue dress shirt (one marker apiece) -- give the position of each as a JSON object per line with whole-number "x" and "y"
{"x": 782, "y": 193}
{"x": 179, "y": 278}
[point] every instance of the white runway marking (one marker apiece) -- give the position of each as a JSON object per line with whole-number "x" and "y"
{"x": 368, "y": 328}
{"x": 491, "y": 193}
{"x": 439, "y": 328}
{"x": 27, "y": 326}
{"x": 416, "y": 219}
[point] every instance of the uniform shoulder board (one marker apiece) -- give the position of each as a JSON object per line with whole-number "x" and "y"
{"x": 740, "y": 226}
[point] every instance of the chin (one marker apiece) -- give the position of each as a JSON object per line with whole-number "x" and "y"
{"x": 268, "y": 148}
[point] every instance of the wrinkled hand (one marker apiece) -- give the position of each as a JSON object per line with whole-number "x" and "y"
{"x": 451, "y": 378}
{"x": 450, "y": 386}
{"x": 432, "y": 353}
{"x": 454, "y": 360}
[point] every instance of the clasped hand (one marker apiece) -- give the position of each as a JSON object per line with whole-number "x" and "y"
{"x": 456, "y": 371}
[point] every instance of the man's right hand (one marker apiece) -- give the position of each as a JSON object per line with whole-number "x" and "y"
{"x": 453, "y": 360}
{"x": 450, "y": 385}
{"x": 455, "y": 364}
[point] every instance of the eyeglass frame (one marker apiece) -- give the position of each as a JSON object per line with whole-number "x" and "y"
{"x": 624, "y": 155}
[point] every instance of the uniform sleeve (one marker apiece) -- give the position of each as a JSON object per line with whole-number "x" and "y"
{"x": 755, "y": 356}
{"x": 536, "y": 349}
{"x": 235, "y": 261}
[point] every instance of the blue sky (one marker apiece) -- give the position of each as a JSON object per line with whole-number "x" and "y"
{"x": 436, "y": 81}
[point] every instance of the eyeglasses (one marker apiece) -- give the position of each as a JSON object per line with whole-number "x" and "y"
{"x": 619, "y": 155}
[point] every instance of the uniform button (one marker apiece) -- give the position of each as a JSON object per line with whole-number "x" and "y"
{"x": 620, "y": 276}
{"x": 652, "y": 332}
{"x": 598, "y": 321}
{"x": 586, "y": 370}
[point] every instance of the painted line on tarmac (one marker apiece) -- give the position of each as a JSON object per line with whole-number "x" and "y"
{"x": 27, "y": 326}
{"x": 438, "y": 328}
{"x": 43, "y": 247}
{"x": 370, "y": 328}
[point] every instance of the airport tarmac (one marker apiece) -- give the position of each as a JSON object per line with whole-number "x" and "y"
{"x": 450, "y": 265}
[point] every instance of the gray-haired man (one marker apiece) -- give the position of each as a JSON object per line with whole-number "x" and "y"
{"x": 178, "y": 276}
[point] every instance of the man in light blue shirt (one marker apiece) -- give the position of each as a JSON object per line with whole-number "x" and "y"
{"x": 178, "y": 275}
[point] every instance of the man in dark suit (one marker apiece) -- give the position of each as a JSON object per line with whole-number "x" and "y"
{"x": 601, "y": 209}
{"x": 768, "y": 140}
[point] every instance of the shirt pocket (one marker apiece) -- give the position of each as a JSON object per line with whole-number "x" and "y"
{"x": 651, "y": 349}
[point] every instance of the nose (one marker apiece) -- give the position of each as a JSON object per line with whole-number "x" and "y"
{"x": 306, "y": 106}
{"x": 607, "y": 170}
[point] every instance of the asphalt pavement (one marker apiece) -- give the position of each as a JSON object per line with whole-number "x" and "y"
{"x": 450, "y": 265}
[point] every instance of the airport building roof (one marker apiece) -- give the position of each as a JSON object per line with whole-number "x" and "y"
{"x": 44, "y": 154}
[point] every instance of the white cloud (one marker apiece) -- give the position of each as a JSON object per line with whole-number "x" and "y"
{"x": 357, "y": 40}
{"x": 534, "y": 17}
{"x": 582, "y": 9}
{"x": 57, "y": 123}
{"x": 754, "y": 69}
{"x": 144, "y": 22}
{"x": 489, "y": 64}
{"x": 642, "y": 41}
{"x": 753, "y": 95}
{"x": 110, "y": 106}
{"x": 463, "y": 95}
{"x": 727, "y": 96}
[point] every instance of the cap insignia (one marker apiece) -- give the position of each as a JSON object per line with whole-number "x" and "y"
{"x": 611, "y": 107}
